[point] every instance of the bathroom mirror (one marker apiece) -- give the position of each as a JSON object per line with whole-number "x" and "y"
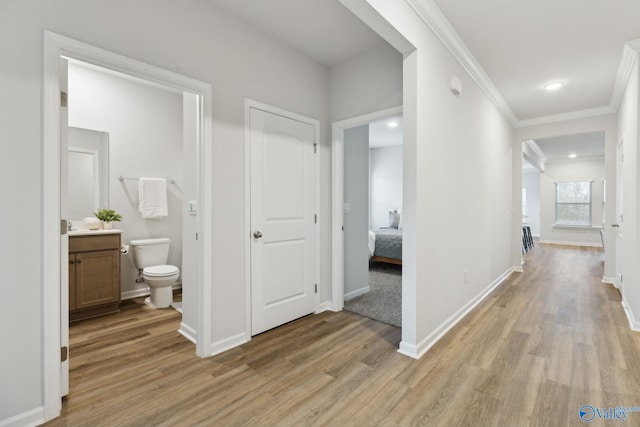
{"x": 88, "y": 172}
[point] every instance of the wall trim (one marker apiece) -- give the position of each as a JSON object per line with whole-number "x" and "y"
{"x": 325, "y": 306}
{"x": 417, "y": 351}
{"x": 33, "y": 417}
{"x": 188, "y": 332}
{"x": 438, "y": 23}
{"x": 609, "y": 281}
{"x": 557, "y": 242}
{"x": 634, "y": 324}
{"x": 228, "y": 343}
{"x": 356, "y": 293}
{"x": 571, "y": 115}
{"x": 628, "y": 60}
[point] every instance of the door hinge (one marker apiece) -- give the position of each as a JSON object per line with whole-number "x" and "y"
{"x": 315, "y": 148}
{"x": 196, "y": 236}
{"x": 64, "y": 227}
{"x": 315, "y": 218}
{"x": 63, "y": 99}
{"x": 64, "y": 354}
{"x": 343, "y": 228}
{"x": 316, "y": 288}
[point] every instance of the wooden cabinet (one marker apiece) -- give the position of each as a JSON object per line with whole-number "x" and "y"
{"x": 94, "y": 275}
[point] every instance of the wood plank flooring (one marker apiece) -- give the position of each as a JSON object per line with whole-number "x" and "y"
{"x": 543, "y": 344}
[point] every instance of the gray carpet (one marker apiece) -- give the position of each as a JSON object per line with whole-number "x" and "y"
{"x": 383, "y": 302}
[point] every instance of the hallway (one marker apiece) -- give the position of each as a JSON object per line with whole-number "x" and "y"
{"x": 542, "y": 345}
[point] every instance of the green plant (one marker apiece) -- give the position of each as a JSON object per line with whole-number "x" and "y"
{"x": 108, "y": 215}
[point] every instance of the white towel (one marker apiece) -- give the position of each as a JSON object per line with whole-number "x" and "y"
{"x": 152, "y": 194}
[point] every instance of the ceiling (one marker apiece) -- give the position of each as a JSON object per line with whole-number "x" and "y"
{"x": 383, "y": 135}
{"x": 520, "y": 45}
{"x": 582, "y": 145}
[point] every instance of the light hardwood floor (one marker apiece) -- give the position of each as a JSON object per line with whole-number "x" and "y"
{"x": 543, "y": 344}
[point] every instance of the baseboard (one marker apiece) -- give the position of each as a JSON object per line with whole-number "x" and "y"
{"x": 143, "y": 292}
{"x": 226, "y": 344}
{"x": 325, "y": 306}
{"x": 517, "y": 269}
{"x": 609, "y": 281}
{"x": 356, "y": 293}
{"x": 34, "y": 417}
{"x": 633, "y": 323}
{"x": 188, "y": 332}
{"x": 417, "y": 351}
{"x": 557, "y": 242}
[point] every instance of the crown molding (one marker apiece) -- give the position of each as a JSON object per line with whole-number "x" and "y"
{"x": 436, "y": 21}
{"x": 571, "y": 115}
{"x": 431, "y": 15}
{"x": 628, "y": 60}
{"x": 536, "y": 149}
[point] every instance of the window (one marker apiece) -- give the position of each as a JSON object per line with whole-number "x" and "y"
{"x": 573, "y": 203}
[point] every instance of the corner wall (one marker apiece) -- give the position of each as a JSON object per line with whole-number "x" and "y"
{"x": 457, "y": 155}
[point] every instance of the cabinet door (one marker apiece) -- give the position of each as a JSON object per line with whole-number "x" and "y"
{"x": 97, "y": 278}
{"x": 72, "y": 282}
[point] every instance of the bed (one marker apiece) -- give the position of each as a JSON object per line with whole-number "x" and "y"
{"x": 385, "y": 245}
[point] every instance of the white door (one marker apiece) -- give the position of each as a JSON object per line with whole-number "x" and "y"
{"x": 618, "y": 221}
{"x": 64, "y": 238}
{"x": 283, "y": 219}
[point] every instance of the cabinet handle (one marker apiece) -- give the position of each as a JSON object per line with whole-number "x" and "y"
{"x": 71, "y": 262}
{"x": 79, "y": 261}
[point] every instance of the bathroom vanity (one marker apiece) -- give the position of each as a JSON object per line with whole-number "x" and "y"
{"x": 94, "y": 273}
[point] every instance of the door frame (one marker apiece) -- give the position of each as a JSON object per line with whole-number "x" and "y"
{"x": 56, "y": 46}
{"x": 248, "y": 105}
{"x": 337, "y": 194}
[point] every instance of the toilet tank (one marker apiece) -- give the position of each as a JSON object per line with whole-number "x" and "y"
{"x": 149, "y": 252}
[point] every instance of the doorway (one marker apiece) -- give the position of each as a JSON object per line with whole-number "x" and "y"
{"x": 339, "y": 201}
{"x": 55, "y": 260}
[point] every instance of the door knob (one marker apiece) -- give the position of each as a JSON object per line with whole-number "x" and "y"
{"x": 257, "y": 234}
{"x": 615, "y": 225}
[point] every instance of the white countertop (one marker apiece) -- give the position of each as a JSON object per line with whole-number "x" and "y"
{"x": 93, "y": 232}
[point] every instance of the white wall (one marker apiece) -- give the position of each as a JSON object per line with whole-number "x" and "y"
{"x": 457, "y": 160}
{"x": 356, "y": 221}
{"x": 628, "y": 122}
{"x": 368, "y": 82}
{"x": 386, "y": 184}
{"x": 531, "y": 182}
{"x": 571, "y": 170}
{"x": 194, "y": 39}
{"x": 606, "y": 123}
{"x": 144, "y": 124}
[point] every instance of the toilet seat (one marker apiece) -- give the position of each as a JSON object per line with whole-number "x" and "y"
{"x": 160, "y": 270}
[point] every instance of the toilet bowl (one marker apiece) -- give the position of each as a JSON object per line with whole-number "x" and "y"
{"x": 160, "y": 279}
{"x": 150, "y": 256}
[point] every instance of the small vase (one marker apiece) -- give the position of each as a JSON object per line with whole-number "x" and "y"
{"x": 107, "y": 225}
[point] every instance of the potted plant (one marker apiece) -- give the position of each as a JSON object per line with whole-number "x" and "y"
{"x": 108, "y": 217}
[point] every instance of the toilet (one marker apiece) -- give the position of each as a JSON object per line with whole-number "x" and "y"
{"x": 150, "y": 256}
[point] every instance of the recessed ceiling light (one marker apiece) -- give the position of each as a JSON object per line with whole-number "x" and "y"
{"x": 572, "y": 156}
{"x": 553, "y": 85}
{"x": 392, "y": 124}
